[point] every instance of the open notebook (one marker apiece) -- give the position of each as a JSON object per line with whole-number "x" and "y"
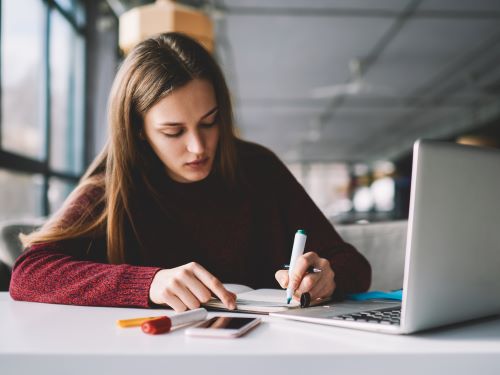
{"x": 261, "y": 301}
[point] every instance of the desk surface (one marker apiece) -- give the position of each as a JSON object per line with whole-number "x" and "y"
{"x": 53, "y": 339}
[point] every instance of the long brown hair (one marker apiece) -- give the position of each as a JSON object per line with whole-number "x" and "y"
{"x": 153, "y": 69}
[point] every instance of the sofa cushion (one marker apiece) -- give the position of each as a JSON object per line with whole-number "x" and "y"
{"x": 383, "y": 244}
{"x": 10, "y": 245}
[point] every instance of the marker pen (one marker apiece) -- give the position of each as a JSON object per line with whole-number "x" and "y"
{"x": 162, "y": 324}
{"x": 165, "y": 323}
{"x": 299, "y": 243}
{"x": 310, "y": 269}
{"x": 135, "y": 322}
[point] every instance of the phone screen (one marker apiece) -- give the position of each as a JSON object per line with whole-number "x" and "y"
{"x": 225, "y": 322}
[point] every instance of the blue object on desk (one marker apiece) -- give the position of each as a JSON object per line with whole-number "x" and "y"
{"x": 396, "y": 295}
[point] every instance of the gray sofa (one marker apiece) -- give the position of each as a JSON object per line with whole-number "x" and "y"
{"x": 10, "y": 245}
{"x": 383, "y": 244}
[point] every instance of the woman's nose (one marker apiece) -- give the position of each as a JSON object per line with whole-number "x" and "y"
{"x": 195, "y": 144}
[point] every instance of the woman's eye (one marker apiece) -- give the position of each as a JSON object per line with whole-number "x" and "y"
{"x": 208, "y": 125}
{"x": 174, "y": 135}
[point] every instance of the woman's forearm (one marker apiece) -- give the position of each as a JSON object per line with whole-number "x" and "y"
{"x": 43, "y": 274}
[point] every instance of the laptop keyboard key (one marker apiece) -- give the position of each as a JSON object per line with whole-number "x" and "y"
{"x": 389, "y": 315}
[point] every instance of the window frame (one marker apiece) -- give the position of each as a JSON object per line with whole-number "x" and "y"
{"x": 14, "y": 162}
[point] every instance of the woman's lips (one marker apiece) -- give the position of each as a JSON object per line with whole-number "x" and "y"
{"x": 197, "y": 163}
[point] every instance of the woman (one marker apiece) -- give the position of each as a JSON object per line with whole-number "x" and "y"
{"x": 175, "y": 203}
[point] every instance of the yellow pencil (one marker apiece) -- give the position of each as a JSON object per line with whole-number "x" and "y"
{"x": 136, "y": 322}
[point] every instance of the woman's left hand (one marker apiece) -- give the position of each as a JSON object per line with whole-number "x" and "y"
{"x": 318, "y": 284}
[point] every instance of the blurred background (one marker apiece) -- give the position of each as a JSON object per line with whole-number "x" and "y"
{"x": 339, "y": 89}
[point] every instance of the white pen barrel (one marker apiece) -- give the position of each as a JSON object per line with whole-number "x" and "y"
{"x": 188, "y": 316}
{"x": 299, "y": 244}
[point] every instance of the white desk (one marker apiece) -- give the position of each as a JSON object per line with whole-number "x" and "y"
{"x": 57, "y": 339}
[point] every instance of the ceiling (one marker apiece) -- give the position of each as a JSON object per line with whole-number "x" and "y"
{"x": 428, "y": 68}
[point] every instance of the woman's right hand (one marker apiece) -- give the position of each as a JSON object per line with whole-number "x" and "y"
{"x": 187, "y": 286}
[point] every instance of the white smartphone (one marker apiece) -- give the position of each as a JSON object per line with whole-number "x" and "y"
{"x": 223, "y": 326}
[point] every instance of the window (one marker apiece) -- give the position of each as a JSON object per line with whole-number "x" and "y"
{"x": 59, "y": 189}
{"x": 42, "y": 119}
{"x": 66, "y": 96}
{"x": 22, "y": 78}
{"x": 21, "y": 194}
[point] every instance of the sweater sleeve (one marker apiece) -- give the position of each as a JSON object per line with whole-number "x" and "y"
{"x": 66, "y": 272}
{"x": 352, "y": 270}
{"x": 47, "y": 273}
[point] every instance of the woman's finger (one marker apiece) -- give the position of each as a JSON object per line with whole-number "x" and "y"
{"x": 212, "y": 283}
{"x": 300, "y": 269}
{"x": 324, "y": 289}
{"x": 282, "y": 278}
{"x": 180, "y": 290}
{"x": 195, "y": 286}
{"x": 326, "y": 285}
{"x": 173, "y": 301}
{"x": 308, "y": 282}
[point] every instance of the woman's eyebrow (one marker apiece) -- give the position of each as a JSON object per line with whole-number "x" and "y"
{"x": 211, "y": 112}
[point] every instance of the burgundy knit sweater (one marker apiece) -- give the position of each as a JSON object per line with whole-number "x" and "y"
{"x": 241, "y": 236}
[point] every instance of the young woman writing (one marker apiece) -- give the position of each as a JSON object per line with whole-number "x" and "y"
{"x": 175, "y": 203}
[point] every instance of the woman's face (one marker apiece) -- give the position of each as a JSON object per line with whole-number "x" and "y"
{"x": 183, "y": 131}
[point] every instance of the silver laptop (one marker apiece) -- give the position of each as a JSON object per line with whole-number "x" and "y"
{"x": 452, "y": 264}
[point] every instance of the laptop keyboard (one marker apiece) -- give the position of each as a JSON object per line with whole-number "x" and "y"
{"x": 390, "y": 315}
